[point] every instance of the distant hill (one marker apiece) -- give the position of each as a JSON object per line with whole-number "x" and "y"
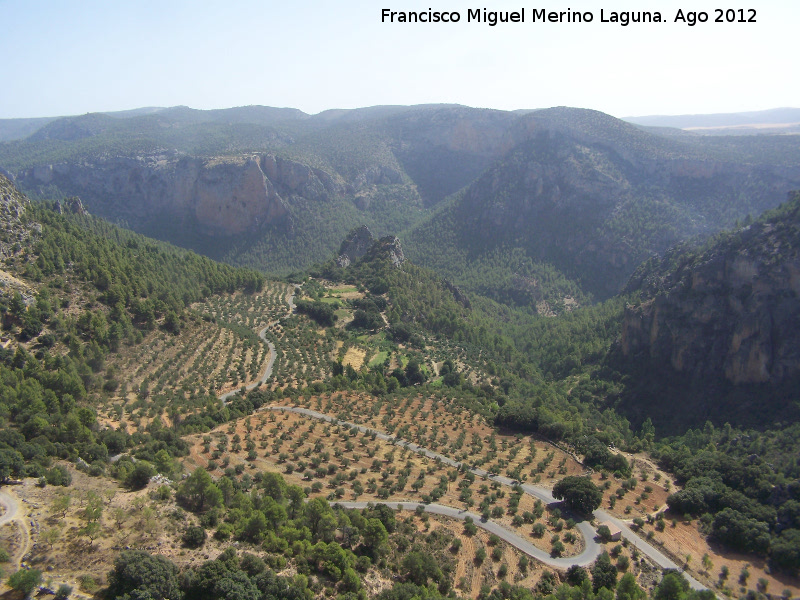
{"x": 543, "y": 208}
{"x": 743, "y": 122}
{"x": 593, "y": 196}
{"x": 17, "y": 129}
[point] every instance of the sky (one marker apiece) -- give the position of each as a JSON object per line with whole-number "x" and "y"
{"x": 66, "y": 57}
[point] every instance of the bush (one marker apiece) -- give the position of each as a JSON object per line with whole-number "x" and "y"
{"x": 25, "y": 580}
{"x": 58, "y": 475}
{"x": 604, "y": 533}
{"x": 140, "y": 476}
{"x": 194, "y": 537}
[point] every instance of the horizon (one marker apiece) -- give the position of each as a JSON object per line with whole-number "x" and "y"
{"x": 100, "y": 57}
{"x": 156, "y": 109}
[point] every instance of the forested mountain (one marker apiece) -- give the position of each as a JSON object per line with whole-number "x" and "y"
{"x": 544, "y": 208}
{"x": 79, "y": 295}
{"x": 593, "y": 197}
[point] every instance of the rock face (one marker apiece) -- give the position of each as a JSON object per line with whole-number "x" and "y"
{"x": 389, "y": 247}
{"x": 360, "y": 242}
{"x": 71, "y": 205}
{"x": 458, "y": 295}
{"x": 14, "y": 232}
{"x": 355, "y": 245}
{"x": 731, "y": 310}
{"x": 222, "y": 196}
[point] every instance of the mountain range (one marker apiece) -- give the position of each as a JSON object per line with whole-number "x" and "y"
{"x": 560, "y": 204}
{"x": 560, "y": 273}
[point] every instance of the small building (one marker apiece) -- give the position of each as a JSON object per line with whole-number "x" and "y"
{"x": 5, "y": 343}
{"x": 614, "y": 531}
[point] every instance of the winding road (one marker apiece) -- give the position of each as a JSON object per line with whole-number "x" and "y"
{"x": 587, "y": 557}
{"x": 591, "y": 550}
{"x": 272, "y": 353}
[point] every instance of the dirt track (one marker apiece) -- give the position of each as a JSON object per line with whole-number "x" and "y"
{"x": 13, "y": 514}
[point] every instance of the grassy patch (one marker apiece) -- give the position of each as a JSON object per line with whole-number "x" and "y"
{"x": 379, "y": 358}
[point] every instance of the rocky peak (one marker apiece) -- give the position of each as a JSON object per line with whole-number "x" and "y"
{"x": 389, "y": 247}
{"x": 71, "y": 205}
{"x": 360, "y": 242}
{"x": 356, "y": 244}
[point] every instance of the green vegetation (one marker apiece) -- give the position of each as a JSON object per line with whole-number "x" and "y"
{"x": 578, "y": 493}
{"x": 124, "y": 287}
{"x": 103, "y": 292}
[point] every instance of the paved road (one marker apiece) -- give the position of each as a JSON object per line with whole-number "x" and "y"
{"x": 646, "y": 549}
{"x": 272, "y": 353}
{"x": 586, "y": 557}
{"x": 593, "y": 549}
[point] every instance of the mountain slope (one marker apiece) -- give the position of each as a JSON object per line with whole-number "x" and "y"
{"x": 722, "y": 320}
{"x": 574, "y": 197}
{"x": 594, "y": 196}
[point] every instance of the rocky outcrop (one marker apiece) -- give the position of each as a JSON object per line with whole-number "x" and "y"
{"x": 389, "y": 248}
{"x": 458, "y": 295}
{"x": 220, "y": 196}
{"x": 15, "y": 232}
{"x": 355, "y": 245}
{"x": 360, "y": 242}
{"x": 71, "y": 205}
{"x": 730, "y": 311}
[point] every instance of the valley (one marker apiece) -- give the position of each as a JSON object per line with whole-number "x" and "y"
{"x": 540, "y": 354}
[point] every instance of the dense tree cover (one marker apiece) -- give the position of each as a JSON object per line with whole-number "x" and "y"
{"x": 322, "y": 313}
{"x": 744, "y": 485}
{"x": 137, "y": 574}
{"x": 578, "y": 493}
{"x": 123, "y": 284}
{"x": 505, "y": 274}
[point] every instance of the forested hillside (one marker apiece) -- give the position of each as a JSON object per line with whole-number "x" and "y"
{"x": 545, "y": 209}
{"x": 592, "y": 197}
{"x": 540, "y": 329}
{"x": 90, "y": 289}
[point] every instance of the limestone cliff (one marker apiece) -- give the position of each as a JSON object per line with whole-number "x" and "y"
{"x": 222, "y": 196}
{"x": 730, "y": 309}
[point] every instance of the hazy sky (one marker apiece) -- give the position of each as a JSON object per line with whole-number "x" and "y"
{"x": 72, "y": 57}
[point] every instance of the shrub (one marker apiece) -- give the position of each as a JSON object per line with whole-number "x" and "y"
{"x": 194, "y": 537}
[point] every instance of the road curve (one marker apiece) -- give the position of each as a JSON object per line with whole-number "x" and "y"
{"x": 593, "y": 549}
{"x": 272, "y": 353}
{"x": 583, "y": 559}
{"x": 12, "y": 513}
